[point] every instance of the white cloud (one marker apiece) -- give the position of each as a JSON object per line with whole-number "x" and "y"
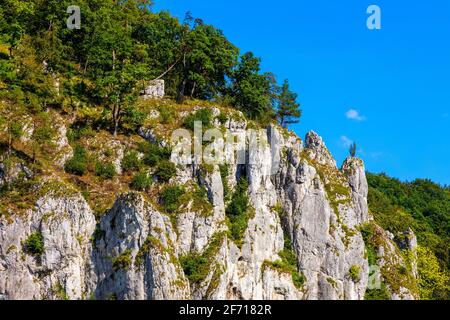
{"x": 345, "y": 141}
{"x": 354, "y": 115}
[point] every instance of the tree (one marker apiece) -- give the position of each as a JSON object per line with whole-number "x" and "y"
{"x": 288, "y": 110}
{"x": 114, "y": 67}
{"x": 352, "y": 150}
{"x": 207, "y": 57}
{"x": 432, "y": 281}
{"x": 250, "y": 91}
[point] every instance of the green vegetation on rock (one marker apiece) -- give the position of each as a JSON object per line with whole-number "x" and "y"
{"x": 239, "y": 212}
{"x": 196, "y": 265}
{"x": 34, "y": 244}
{"x": 423, "y": 207}
{"x": 123, "y": 261}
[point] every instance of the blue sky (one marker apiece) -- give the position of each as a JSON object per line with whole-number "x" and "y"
{"x": 396, "y": 78}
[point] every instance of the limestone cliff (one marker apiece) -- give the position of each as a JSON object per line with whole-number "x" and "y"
{"x": 304, "y": 235}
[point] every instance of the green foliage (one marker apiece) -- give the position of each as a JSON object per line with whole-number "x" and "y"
{"x": 167, "y": 114}
{"x": 352, "y": 150}
{"x": 123, "y": 261}
{"x": 105, "y": 170}
{"x": 78, "y": 163}
{"x": 165, "y": 170}
{"x": 378, "y": 294}
{"x": 170, "y": 198}
{"x": 420, "y": 205}
{"x": 355, "y": 273}
{"x": 199, "y": 200}
{"x": 141, "y": 181}
{"x": 131, "y": 161}
{"x": 433, "y": 282}
{"x": 250, "y": 91}
{"x": 288, "y": 110}
{"x": 224, "y": 173}
{"x": 203, "y": 115}
{"x": 153, "y": 154}
{"x": 288, "y": 263}
{"x": 239, "y": 212}
{"x": 197, "y": 266}
{"x": 133, "y": 118}
{"x": 120, "y": 47}
{"x": 34, "y": 244}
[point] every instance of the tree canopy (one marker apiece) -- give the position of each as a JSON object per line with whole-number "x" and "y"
{"x": 119, "y": 47}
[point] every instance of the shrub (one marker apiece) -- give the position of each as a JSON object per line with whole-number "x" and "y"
{"x": 34, "y": 245}
{"x": 165, "y": 170}
{"x": 222, "y": 117}
{"x": 355, "y": 273}
{"x": 298, "y": 278}
{"x": 170, "y": 198}
{"x": 205, "y": 116}
{"x": 133, "y": 118}
{"x": 224, "y": 173}
{"x": 238, "y": 212}
{"x": 105, "y": 170}
{"x": 78, "y": 163}
{"x": 131, "y": 161}
{"x": 123, "y": 261}
{"x": 288, "y": 263}
{"x": 197, "y": 266}
{"x": 167, "y": 114}
{"x": 154, "y": 154}
{"x": 141, "y": 181}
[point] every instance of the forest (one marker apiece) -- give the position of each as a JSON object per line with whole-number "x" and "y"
{"x": 424, "y": 207}
{"x": 119, "y": 47}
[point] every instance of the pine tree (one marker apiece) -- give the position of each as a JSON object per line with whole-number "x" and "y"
{"x": 288, "y": 110}
{"x": 352, "y": 150}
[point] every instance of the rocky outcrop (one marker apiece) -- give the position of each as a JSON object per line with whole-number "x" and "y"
{"x": 63, "y": 224}
{"x": 154, "y": 90}
{"x": 135, "y": 257}
{"x": 299, "y": 204}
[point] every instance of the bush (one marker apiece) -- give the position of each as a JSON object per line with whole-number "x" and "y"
{"x": 197, "y": 266}
{"x": 238, "y": 212}
{"x": 205, "y": 116}
{"x": 123, "y": 261}
{"x": 355, "y": 273}
{"x": 165, "y": 170}
{"x": 131, "y": 161}
{"x": 288, "y": 263}
{"x": 133, "y": 118}
{"x": 154, "y": 154}
{"x": 34, "y": 245}
{"x": 105, "y": 170}
{"x": 167, "y": 114}
{"x": 141, "y": 181}
{"x": 78, "y": 163}
{"x": 170, "y": 198}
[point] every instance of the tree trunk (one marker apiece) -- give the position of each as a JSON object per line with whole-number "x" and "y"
{"x": 193, "y": 89}
{"x": 180, "y": 97}
{"x": 116, "y": 118}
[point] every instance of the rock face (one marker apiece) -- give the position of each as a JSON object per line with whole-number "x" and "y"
{"x": 154, "y": 90}
{"x": 66, "y": 224}
{"x": 136, "y": 251}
